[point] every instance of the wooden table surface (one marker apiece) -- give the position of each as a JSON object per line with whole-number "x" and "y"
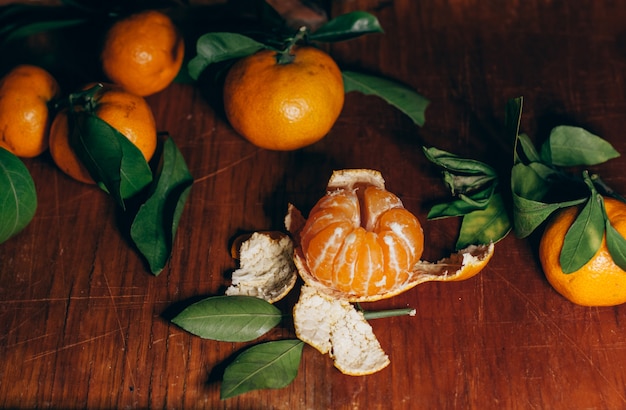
{"x": 85, "y": 325}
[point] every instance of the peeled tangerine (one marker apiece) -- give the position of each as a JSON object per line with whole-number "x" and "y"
{"x": 360, "y": 244}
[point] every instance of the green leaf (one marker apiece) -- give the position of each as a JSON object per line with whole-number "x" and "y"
{"x": 458, "y": 165}
{"x": 584, "y": 236}
{"x": 155, "y": 224}
{"x": 527, "y": 183}
{"x": 18, "y": 197}
{"x": 485, "y": 226}
{"x": 529, "y": 214}
{"x": 347, "y": 26}
{"x": 616, "y": 244}
{"x": 41, "y": 26}
{"x": 111, "y": 159}
{"x": 270, "y": 365}
{"x": 229, "y": 318}
{"x": 512, "y": 118}
{"x": 572, "y": 146}
{"x": 465, "y": 184}
{"x": 401, "y": 97}
{"x": 464, "y": 205}
{"x": 528, "y": 149}
{"x": 213, "y": 48}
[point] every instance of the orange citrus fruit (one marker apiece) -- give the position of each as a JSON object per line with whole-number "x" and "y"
{"x": 26, "y": 93}
{"x": 600, "y": 282}
{"x": 128, "y": 113}
{"x": 359, "y": 243}
{"x": 143, "y": 52}
{"x": 280, "y": 105}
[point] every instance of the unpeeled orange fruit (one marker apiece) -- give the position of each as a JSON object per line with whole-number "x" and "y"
{"x": 600, "y": 282}
{"x": 143, "y": 52}
{"x": 128, "y": 113}
{"x": 284, "y": 105}
{"x": 26, "y": 94}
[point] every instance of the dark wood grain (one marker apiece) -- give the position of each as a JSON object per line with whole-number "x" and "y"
{"x": 86, "y": 326}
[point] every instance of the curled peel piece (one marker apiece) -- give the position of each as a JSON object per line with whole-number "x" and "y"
{"x": 266, "y": 268}
{"x": 335, "y": 327}
{"x": 462, "y": 265}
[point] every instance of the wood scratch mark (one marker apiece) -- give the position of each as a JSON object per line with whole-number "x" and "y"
{"x": 545, "y": 319}
{"x": 70, "y": 346}
{"x": 219, "y": 171}
{"x": 120, "y": 328}
{"x": 71, "y": 298}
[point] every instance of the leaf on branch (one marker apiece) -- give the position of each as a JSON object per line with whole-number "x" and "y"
{"x": 485, "y": 226}
{"x": 573, "y": 146}
{"x": 213, "y": 48}
{"x": 347, "y": 26}
{"x": 398, "y": 95}
{"x": 114, "y": 162}
{"x": 584, "y": 236}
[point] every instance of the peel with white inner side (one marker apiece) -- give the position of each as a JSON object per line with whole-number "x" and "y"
{"x": 335, "y": 327}
{"x": 266, "y": 268}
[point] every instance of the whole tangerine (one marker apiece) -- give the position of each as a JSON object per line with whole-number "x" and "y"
{"x": 26, "y": 94}
{"x": 128, "y": 113}
{"x": 143, "y": 52}
{"x": 600, "y": 282}
{"x": 284, "y": 101}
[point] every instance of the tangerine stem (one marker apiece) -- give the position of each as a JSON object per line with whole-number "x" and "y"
{"x": 607, "y": 190}
{"x": 381, "y": 314}
{"x": 286, "y": 56}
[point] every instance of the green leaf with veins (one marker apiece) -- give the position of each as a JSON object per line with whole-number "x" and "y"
{"x": 528, "y": 149}
{"x": 229, "y": 318}
{"x": 18, "y": 197}
{"x": 213, "y": 48}
{"x": 464, "y": 205}
{"x": 573, "y": 146}
{"x": 456, "y": 164}
{"x": 529, "y": 214}
{"x": 155, "y": 224}
{"x": 584, "y": 236}
{"x": 269, "y": 365}
{"x": 398, "y": 95}
{"x": 616, "y": 244}
{"x": 485, "y": 226}
{"x": 527, "y": 183}
{"x": 347, "y": 26}
{"x": 512, "y": 118}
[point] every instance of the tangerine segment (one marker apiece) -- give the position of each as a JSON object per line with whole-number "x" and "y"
{"x": 361, "y": 241}
{"x": 375, "y": 202}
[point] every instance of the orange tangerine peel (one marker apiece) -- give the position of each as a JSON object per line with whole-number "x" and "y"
{"x": 357, "y": 210}
{"x": 266, "y": 269}
{"x": 358, "y": 242}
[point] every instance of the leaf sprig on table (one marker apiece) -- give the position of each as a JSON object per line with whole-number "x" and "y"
{"x": 476, "y": 198}
{"x": 541, "y": 183}
{"x": 536, "y": 175}
{"x": 120, "y": 169}
{"x": 267, "y": 365}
